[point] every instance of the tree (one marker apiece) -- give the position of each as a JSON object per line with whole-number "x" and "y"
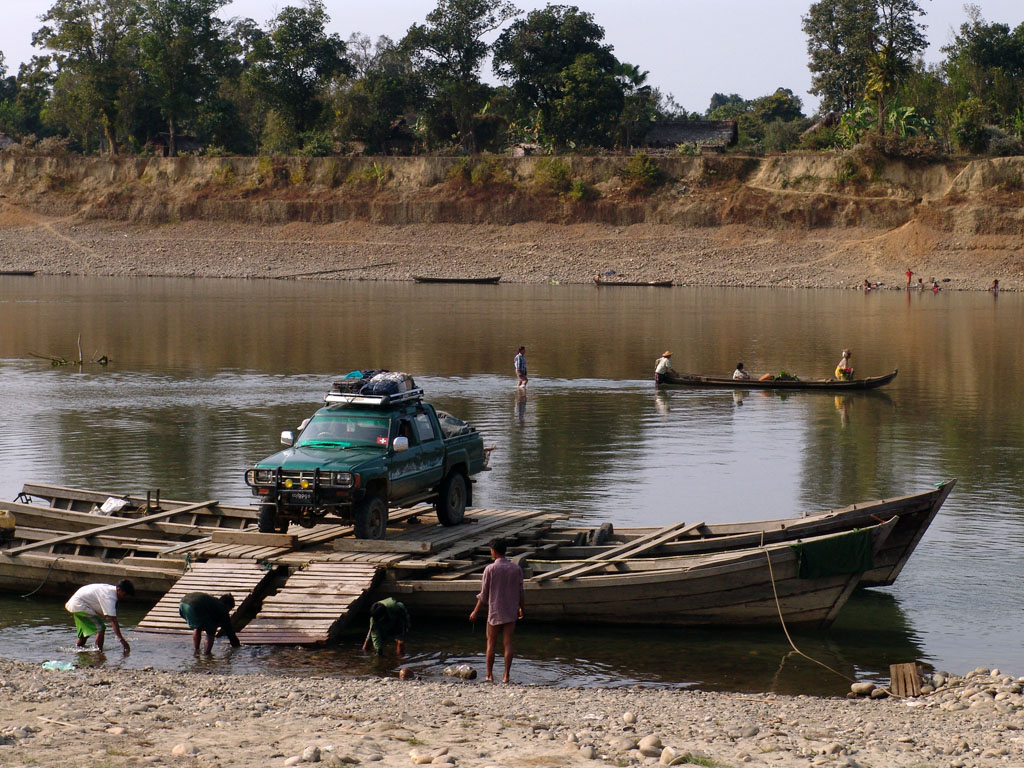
{"x": 533, "y": 52}
{"x": 852, "y": 41}
{"x": 839, "y": 43}
{"x": 985, "y": 62}
{"x": 587, "y": 112}
{"x": 292, "y": 65}
{"x": 387, "y": 88}
{"x": 449, "y": 50}
{"x": 183, "y": 55}
{"x": 95, "y": 45}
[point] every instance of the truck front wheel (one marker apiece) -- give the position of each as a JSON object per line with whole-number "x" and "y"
{"x": 451, "y": 501}
{"x": 266, "y": 522}
{"x": 371, "y": 518}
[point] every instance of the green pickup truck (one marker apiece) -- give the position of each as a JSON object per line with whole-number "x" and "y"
{"x": 361, "y": 454}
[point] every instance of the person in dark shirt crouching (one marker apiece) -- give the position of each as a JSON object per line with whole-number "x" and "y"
{"x": 206, "y": 613}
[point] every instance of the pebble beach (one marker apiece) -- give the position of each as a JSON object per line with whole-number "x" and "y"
{"x": 108, "y": 717}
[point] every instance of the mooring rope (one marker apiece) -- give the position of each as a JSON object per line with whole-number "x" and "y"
{"x": 47, "y": 576}
{"x": 782, "y": 621}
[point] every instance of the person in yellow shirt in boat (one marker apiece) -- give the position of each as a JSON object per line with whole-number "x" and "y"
{"x": 843, "y": 370}
{"x": 663, "y": 367}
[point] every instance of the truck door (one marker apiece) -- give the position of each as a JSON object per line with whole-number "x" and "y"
{"x": 432, "y": 447}
{"x": 405, "y": 467}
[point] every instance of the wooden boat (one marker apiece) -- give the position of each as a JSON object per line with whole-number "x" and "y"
{"x": 682, "y": 574}
{"x": 745, "y": 587}
{"x": 634, "y": 283}
{"x": 61, "y": 541}
{"x": 913, "y": 514}
{"x": 17, "y": 272}
{"x": 727, "y": 382}
{"x": 471, "y": 280}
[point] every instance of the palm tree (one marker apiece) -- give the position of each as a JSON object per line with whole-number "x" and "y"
{"x": 887, "y": 70}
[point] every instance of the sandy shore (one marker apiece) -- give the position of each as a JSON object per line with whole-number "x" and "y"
{"x": 104, "y": 717}
{"x": 524, "y": 253}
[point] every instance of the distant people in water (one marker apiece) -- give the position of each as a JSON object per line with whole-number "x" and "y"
{"x": 995, "y": 286}
{"x": 867, "y": 286}
{"x": 843, "y": 370}
{"x": 910, "y": 275}
{"x": 663, "y": 367}
{"x": 935, "y": 286}
{"x": 740, "y": 374}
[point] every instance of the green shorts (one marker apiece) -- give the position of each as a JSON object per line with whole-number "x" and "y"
{"x": 87, "y": 624}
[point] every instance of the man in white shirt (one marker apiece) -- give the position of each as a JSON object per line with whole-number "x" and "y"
{"x": 94, "y": 602}
{"x": 663, "y": 367}
{"x": 739, "y": 374}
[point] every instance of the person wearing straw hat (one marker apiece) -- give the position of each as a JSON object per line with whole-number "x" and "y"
{"x": 663, "y": 367}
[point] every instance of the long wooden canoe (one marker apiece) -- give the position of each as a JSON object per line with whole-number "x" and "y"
{"x": 471, "y": 280}
{"x": 724, "y": 382}
{"x": 746, "y": 587}
{"x": 634, "y": 283}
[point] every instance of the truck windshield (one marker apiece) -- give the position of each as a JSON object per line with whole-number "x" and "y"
{"x": 345, "y": 430}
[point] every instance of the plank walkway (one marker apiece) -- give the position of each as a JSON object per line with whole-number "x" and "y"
{"x": 330, "y": 574}
{"x": 245, "y": 581}
{"x": 315, "y": 603}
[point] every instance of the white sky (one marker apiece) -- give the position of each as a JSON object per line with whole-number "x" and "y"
{"x": 692, "y": 48}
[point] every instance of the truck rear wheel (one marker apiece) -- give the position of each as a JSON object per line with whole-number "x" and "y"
{"x": 266, "y": 521}
{"x": 371, "y": 518}
{"x": 451, "y": 501}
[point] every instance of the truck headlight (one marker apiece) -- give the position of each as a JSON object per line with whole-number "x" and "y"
{"x": 259, "y": 477}
{"x": 343, "y": 479}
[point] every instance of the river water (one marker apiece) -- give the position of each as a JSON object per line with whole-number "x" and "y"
{"x": 204, "y": 374}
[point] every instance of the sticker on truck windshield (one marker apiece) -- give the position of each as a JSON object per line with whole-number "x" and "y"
{"x": 382, "y": 440}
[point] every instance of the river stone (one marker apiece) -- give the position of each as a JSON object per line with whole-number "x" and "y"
{"x": 311, "y": 754}
{"x": 184, "y": 748}
{"x": 587, "y": 752}
{"x": 293, "y": 760}
{"x": 629, "y": 718}
{"x": 879, "y": 693}
{"x": 651, "y": 740}
{"x": 622, "y": 744}
{"x": 670, "y": 756}
{"x": 862, "y": 688}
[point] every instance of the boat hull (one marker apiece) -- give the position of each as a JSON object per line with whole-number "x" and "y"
{"x": 720, "y": 382}
{"x": 745, "y": 588}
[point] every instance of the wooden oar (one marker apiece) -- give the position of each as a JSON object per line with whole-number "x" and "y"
{"x": 111, "y": 527}
{"x": 626, "y": 549}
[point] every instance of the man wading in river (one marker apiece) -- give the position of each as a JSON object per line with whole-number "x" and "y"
{"x": 501, "y": 590}
{"x": 95, "y": 602}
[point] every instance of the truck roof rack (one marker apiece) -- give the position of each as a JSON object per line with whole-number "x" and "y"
{"x": 348, "y": 398}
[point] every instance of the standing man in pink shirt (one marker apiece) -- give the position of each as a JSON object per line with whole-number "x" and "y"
{"x": 501, "y": 590}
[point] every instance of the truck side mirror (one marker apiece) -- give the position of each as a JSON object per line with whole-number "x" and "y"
{"x": 287, "y": 438}
{"x": 400, "y": 444}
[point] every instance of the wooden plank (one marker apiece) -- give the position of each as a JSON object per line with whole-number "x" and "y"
{"x": 382, "y": 545}
{"x": 905, "y": 679}
{"x": 254, "y": 538}
{"x": 105, "y": 528}
{"x": 628, "y": 549}
{"x": 244, "y": 581}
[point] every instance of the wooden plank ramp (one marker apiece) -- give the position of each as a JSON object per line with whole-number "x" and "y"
{"x": 245, "y": 580}
{"x": 315, "y": 603}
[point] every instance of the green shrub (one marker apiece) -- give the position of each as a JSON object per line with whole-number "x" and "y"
{"x": 821, "y": 139}
{"x": 316, "y": 144}
{"x": 581, "y": 192}
{"x": 375, "y": 174}
{"x": 1003, "y": 146}
{"x": 642, "y": 173}
{"x": 969, "y": 126}
{"x": 460, "y": 173}
{"x": 554, "y": 174}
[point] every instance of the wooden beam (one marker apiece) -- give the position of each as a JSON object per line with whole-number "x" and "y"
{"x": 106, "y": 528}
{"x": 632, "y": 548}
{"x": 254, "y": 538}
{"x": 382, "y": 545}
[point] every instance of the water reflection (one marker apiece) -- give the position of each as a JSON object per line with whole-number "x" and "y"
{"x": 204, "y": 375}
{"x": 871, "y": 634}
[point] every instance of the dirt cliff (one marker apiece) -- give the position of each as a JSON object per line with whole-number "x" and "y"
{"x": 795, "y": 220}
